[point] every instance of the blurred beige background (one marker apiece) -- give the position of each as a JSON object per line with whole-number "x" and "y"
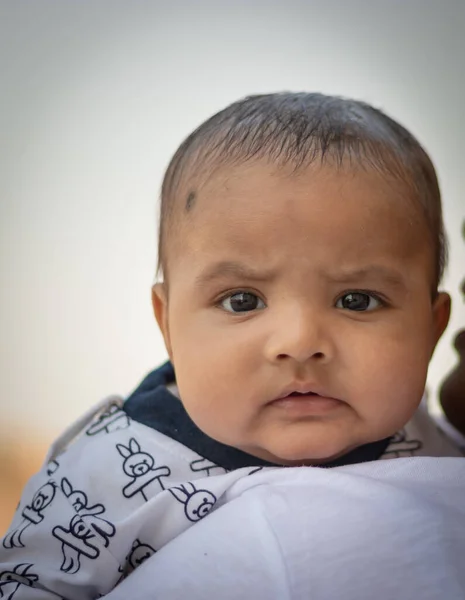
{"x": 95, "y": 96}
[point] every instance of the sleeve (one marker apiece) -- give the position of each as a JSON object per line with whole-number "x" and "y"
{"x": 59, "y": 544}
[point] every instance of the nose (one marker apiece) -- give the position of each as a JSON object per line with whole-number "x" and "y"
{"x": 299, "y": 335}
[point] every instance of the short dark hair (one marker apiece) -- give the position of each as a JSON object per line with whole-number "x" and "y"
{"x": 298, "y": 129}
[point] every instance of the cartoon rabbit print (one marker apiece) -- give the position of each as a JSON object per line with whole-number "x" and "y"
{"x": 86, "y": 533}
{"x": 32, "y": 514}
{"x": 139, "y": 466}
{"x": 11, "y": 581}
{"x": 111, "y": 419}
{"x": 197, "y": 503}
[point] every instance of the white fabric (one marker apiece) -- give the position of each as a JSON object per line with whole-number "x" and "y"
{"x": 388, "y": 530}
{"x": 115, "y": 491}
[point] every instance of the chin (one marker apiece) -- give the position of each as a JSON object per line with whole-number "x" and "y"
{"x": 309, "y": 456}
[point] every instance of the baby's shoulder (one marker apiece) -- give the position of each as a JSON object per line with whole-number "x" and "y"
{"x": 115, "y": 456}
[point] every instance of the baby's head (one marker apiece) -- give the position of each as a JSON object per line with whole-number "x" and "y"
{"x": 301, "y": 246}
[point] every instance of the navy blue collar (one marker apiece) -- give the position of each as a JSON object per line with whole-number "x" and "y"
{"x": 153, "y": 405}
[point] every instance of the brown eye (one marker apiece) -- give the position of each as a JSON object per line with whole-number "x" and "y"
{"x": 358, "y": 301}
{"x": 242, "y": 302}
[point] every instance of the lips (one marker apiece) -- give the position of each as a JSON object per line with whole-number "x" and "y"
{"x": 305, "y": 398}
{"x": 300, "y": 389}
{"x": 299, "y": 395}
{"x": 305, "y": 405}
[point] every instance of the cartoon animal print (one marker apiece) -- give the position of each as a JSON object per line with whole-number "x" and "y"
{"x": 111, "y": 419}
{"x": 52, "y": 467}
{"x": 400, "y": 446}
{"x": 139, "y": 553}
{"x": 11, "y": 581}
{"x": 32, "y": 514}
{"x": 140, "y": 467}
{"x": 86, "y": 531}
{"x": 203, "y": 465}
{"x": 80, "y": 503}
{"x": 197, "y": 503}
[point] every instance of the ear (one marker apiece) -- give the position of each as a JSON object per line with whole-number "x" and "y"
{"x": 441, "y": 314}
{"x": 66, "y": 487}
{"x": 125, "y": 452}
{"x": 160, "y": 310}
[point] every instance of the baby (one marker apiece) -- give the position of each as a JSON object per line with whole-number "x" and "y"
{"x": 301, "y": 247}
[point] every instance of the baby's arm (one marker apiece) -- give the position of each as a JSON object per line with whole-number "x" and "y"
{"x": 60, "y": 543}
{"x": 52, "y": 551}
{"x": 113, "y": 492}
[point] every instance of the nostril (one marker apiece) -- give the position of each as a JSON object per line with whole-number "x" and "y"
{"x": 318, "y": 355}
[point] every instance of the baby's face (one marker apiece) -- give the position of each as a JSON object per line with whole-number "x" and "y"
{"x": 299, "y": 317}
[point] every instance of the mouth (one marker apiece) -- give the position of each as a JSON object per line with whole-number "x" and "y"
{"x": 306, "y": 401}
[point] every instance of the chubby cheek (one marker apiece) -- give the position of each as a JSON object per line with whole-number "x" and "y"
{"x": 214, "y": 372}
{"x": 216, "y": 404}
{"x": 394, "y": 384}
{"x": 213, "y": 350}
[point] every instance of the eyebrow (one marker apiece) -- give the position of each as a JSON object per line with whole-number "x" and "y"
{"x": 228, "y": 268}
{"x": 380, "y": 272}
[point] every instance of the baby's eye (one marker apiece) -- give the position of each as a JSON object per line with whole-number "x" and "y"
{"x": 358, "y": 301}
{"x": 242, "y": 302}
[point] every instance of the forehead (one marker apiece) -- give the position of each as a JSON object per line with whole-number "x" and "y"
{"x": 322, "y": 213}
